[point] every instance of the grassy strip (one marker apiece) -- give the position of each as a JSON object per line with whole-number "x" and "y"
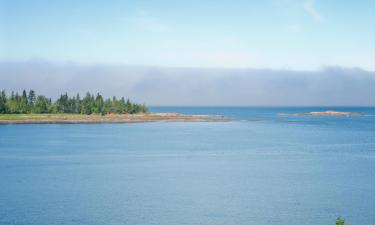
{"x": 47, "y": 116}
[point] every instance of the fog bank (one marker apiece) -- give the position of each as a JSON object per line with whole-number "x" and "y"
{"x": 195, "y": 86}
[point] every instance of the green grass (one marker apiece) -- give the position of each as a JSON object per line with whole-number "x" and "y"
{"x": 46, "y": 116}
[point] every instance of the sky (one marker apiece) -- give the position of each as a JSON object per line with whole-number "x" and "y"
{"x": 212, "y": 52}
{"x": 274, "y": 34}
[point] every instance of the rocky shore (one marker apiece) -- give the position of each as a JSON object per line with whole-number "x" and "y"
{"x": 109, "y": 118}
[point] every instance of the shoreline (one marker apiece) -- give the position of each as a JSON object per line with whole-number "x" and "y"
{"x": 102, "y": 119}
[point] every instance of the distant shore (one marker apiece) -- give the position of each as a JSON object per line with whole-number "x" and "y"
{"x": 108, "y": 118}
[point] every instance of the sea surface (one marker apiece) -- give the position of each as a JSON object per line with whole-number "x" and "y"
{"x": 257, "y": 169}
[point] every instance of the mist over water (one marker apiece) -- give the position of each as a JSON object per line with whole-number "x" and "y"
{"x": 195, "y": 86}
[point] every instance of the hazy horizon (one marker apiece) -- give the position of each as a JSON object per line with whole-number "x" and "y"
{"x": 175, "y": 86}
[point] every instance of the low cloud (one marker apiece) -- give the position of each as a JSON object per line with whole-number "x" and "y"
{"x": 195, "y": 86}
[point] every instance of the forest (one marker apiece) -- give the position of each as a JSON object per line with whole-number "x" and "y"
{"x": 29, "y": 102}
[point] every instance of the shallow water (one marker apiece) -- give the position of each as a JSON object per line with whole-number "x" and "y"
{"x": 257, "y": 169}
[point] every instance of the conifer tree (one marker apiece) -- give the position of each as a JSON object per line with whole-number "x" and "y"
{"x": 31, "y": 98}
{"x": 64, "y": 104}
{"x": 3, "y": 100}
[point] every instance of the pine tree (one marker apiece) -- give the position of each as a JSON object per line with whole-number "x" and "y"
{"x": 31, "y": 98}
{"x": 3, "y": 101}
{"x": 24, "y": 107}
{"x": 87, "y": 104}
{"x": 99, "y": 104}
{"x": 77, "y": 106}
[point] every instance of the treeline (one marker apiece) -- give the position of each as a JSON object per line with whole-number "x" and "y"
{"x": 29, "y": 102}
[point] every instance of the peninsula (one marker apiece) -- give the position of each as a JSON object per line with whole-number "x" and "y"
{"x": 27, "y": 108}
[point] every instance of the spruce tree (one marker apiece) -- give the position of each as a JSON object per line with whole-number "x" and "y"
{"x": 31, "y": 98}
{"x": 3, "y": 101}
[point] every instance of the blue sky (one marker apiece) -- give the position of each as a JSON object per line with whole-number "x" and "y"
{"x": 273, "y": 34}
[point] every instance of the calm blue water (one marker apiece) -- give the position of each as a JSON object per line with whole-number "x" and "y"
{"x": 258, "y": 169}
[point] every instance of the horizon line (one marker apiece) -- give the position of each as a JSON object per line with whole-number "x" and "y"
{"x": 262, "y": 106}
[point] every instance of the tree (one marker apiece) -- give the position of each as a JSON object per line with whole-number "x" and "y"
{"x": 12, "y": 104}
{"x": 3, "y": 100}
{"x": 107, "y": 106}
{"x": 17, "y": 103}
{"x": 42, "y": 105}
{"x": 87, "y": 104}
{"x": 128, "y": 106}
{"x": 23, "y": 107}
{"x": 24, "y": 96}
{"x": 77, "y": 104}
{"x": 62, "y": 105}
{"x": 340, "y": 221}
{"x": 31, "y": 98}
{"x": 99, "y": 104}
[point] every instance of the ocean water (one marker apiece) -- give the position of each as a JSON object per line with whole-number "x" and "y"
{"x": 259, "y": 169}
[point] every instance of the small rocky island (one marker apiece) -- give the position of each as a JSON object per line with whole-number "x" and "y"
{"x": 323, "y": 113}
